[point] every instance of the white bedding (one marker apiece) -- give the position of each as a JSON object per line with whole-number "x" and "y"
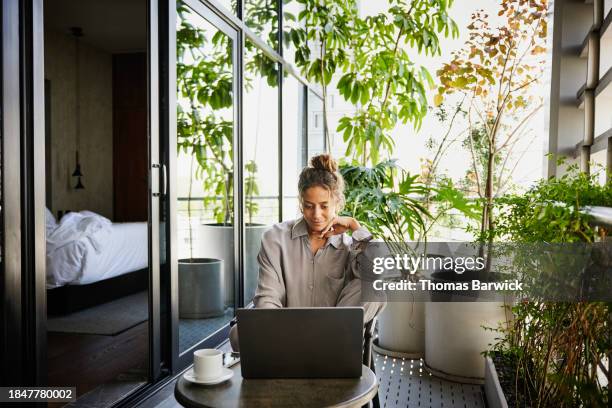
{"x": 86, "y": 247}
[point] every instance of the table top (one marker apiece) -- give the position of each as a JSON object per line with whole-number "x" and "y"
{"x": 286, "y": 393}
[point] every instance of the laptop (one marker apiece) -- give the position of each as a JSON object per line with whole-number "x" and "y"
{"x": 321, "y": 342}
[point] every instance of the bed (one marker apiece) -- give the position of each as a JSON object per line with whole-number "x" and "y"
{"x": 91, "y": 260}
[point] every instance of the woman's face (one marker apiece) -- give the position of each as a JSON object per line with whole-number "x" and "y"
{"x": 318, "y": 208}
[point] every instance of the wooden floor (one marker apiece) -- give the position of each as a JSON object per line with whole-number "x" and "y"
{"x": 88, "y": 361}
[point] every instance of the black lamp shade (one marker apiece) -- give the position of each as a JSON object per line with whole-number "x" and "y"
{"x": 79, "y": 185}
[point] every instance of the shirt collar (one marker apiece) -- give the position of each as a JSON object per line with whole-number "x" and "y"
{"x": 300, "y": 229}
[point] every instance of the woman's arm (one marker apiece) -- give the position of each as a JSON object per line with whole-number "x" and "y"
{"x": 270, "y": 291}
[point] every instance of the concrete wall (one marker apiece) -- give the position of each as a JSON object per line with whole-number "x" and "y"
{"x": 572, "y": 21}
{"x": 96, "y": 136}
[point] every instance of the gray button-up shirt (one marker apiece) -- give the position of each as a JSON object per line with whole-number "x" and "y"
{"x": 291, "y": 276}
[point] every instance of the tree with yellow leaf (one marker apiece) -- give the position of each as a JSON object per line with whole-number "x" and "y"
{"x": 496, "y": 72}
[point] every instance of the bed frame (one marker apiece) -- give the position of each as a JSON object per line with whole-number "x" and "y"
{"x": 72, "y": 298}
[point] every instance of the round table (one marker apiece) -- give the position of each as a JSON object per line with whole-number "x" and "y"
{"x": 286, "y": 393}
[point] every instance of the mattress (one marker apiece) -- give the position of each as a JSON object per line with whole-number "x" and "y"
{"x": 114, "y": 250}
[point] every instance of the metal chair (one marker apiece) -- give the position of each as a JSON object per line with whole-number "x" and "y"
{"x": 368, "y": 361}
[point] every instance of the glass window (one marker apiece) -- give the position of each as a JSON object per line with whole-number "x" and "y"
{"x": 260, "y": 147}
{"x": 294, "y": 132}
{"x": 316, "y": 135}
{"x": 205, "y": 132}
{"x": 292, "y": 28}
{"x": 261, "y": 16}
{"x": 229, "y": 4}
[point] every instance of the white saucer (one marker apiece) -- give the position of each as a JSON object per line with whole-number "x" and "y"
{"x": 227, "y": 374}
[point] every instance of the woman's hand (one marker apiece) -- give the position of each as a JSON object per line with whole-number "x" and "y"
{"x": 339, "y": 225}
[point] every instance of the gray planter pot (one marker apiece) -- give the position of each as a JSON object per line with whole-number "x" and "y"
{"x": 493, "y": 391}
{"x": 201, "y": 288}
{"x": 218, "y": 241}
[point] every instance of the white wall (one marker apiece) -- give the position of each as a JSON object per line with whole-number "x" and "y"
{"x": 575, "y": 22}
{"x": 603, "y": 109}
{"x": 605, "y": 54}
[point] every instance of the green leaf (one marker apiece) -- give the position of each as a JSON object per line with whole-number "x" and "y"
{"x": 355, "y": 93}
{"x": 365, "y": 95}
{"x": 425, "y": 74}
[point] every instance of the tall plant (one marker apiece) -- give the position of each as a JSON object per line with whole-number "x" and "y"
{"x": 371, "y": 57}
{"x": 204, "y": 127}
{"x": 494, "y": 74}
{"x": 321, "y": 38}
{"x": 204, "y": 84}
{"x": 441, "y": 196}
{"x": 205, "y": 99}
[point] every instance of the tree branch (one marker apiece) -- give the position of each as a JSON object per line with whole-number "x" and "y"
{"x": 474, "y": 159}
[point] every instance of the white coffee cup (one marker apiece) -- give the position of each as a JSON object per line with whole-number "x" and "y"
{"x": 207, "y": 364}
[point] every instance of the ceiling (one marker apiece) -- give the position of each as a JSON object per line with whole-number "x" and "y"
{"x": 115, "y": 26}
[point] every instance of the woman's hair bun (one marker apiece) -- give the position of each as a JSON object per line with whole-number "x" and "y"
{"x": 324, "y": 162}
{"x": 322, "y": 172}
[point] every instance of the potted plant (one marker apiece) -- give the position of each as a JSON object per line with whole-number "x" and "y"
{"x": 219, "y": 236}
{"x": 390, "y": 203}
{"x": 385, "y": 198}
{"x": 554, "y": 352}
{"x": 492, "y": 77}
{"x": 201, "y": 279}
{"x": 206, "y": 133}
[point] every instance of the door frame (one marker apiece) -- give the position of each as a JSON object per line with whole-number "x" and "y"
{"x": 22, "y": 287}
{"x": 154, "y": 192}
{"x": 10, "y": 286}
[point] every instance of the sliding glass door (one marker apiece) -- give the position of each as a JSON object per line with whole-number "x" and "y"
{"x": 80, "y": 126}
{"x": 104, "y": 182}
{"x": 205, "y": 176}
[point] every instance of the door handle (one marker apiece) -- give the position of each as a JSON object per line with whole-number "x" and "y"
{"x": 165, "y": 179}
{"x": 155, "y": 179}
{"x": 164, "y": 187}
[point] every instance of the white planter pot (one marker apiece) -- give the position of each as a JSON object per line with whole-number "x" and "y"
{"x": 455, "y": 337}
{"x": 217, "y": 241}
{"x": 401, "y": 330}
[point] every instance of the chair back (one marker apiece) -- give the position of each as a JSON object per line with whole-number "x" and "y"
{"x": 368, "y": 337}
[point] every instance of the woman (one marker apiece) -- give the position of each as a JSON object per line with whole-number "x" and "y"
{"x": 311, "y": 261}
